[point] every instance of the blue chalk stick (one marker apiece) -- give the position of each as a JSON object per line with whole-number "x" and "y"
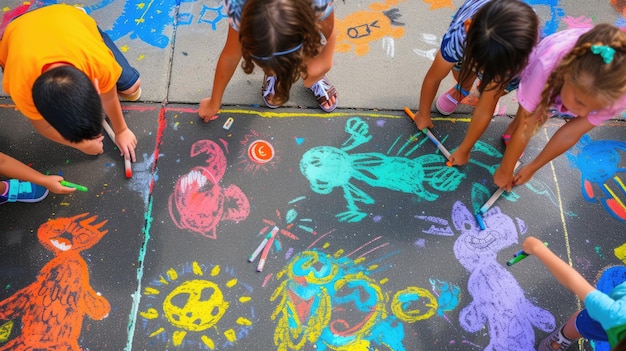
{"x": 481, "y": 223}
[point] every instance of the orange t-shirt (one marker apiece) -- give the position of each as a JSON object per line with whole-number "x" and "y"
{"x": 55, "y": 33}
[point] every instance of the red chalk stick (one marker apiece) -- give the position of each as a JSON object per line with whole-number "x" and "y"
{"x": 127, "y": 168}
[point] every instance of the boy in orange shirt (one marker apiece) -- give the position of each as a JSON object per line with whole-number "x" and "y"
{"x": 62, "y": 72}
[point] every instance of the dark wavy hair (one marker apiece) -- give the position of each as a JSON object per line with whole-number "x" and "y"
{"x": 501, "y": 36}
{"x": 68, "y": 100}
{"x": 271, "y": 26}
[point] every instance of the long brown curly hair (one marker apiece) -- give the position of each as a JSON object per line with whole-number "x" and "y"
{"x": 272, "y": 26}
{"x": 500, "y": 39}
{"x": 588, "y": 71}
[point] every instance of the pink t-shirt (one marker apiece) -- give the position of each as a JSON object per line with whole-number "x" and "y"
{"x": 542, "y": 61}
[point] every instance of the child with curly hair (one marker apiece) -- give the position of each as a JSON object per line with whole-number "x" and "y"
{"x": 580, "y": 72}
{"x": 288, "y": 40}
{"x": 488, "y": 39}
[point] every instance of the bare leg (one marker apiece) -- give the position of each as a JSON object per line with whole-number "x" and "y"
{"x": 569, "y": 329}
{"x": 467, "y": 85}
{"x": 131, "y": 93}
{"x": 318, "y": 66}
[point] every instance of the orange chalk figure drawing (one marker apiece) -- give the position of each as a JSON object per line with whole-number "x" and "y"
{"x": 361, "y": 28}
{"x": 52, "y": 308}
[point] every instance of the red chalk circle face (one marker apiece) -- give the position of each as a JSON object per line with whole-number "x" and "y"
{"x": 261, "y": 151}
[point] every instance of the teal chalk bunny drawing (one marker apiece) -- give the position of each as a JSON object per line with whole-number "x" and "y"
{"x": 328, "y": 167}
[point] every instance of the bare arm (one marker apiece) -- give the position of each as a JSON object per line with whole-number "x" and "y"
{"x": 226, "y": 66}
{"x": 566, "y": 275}
{"x": 503, "y": 176}
{"x": 327, "y": 25}
{"x": 564, "y": 138}
{"x": 439, "y": 69}
{"x": 90, "y": 147}
{"x": 12, "y": 168}
{"x": 480, "y": 121}
{"x": 318, "y": 66}
{"x": 124, "y": 138}
{"x": 44, "y": 128}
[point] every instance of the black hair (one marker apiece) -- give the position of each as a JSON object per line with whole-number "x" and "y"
{"x": 500, "y": 39}
{"x": 68, "y": 100}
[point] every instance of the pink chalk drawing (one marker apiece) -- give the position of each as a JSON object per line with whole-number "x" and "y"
{"x": 199, "y": 203}
{"x": 578, "y": 22}
{"x": 498, "y": 301}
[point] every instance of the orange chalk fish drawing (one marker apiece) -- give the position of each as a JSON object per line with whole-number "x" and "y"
{"x": 361, "y": 28}
{"x": 52, "y": 308}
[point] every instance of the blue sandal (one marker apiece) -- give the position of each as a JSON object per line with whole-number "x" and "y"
{"x": 20, "y": 191}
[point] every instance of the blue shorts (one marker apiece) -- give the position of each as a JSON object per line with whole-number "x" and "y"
{"x": 129, "y": 74}
{"x": 588, "y": 327}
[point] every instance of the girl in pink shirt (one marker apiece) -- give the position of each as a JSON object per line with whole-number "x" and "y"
{"x": 579, "y": 72}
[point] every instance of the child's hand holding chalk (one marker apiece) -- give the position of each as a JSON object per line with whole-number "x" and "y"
{"x": 530, "y": 247}
{"x": 432, "y": 138}
{"x": 532, "y": 244}
{"x": 127, "y": 165}
{"x": 490, "y": 203}
{"x": 52, "y": 182}
{"x": 73, "y": 185}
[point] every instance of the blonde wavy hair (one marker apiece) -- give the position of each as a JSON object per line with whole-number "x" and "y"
{"x": 588, "y": 71}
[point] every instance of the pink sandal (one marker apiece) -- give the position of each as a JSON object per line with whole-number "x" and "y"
{"x": 446, "y": 104}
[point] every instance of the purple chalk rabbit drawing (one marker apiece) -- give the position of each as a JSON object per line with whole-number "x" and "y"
{"x": 498, "y": 301}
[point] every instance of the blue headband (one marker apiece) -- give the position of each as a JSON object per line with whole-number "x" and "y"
{"x": 266, "y": 58}
{"x": 605, "y": 51}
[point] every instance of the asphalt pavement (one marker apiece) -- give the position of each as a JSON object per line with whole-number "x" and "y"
{"x": 375, "y": 242}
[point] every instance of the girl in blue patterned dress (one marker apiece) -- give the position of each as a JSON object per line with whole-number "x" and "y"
{"x": 488, "y": 39}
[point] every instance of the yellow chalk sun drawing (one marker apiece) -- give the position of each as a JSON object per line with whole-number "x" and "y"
{"x": 198, "y": 307}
